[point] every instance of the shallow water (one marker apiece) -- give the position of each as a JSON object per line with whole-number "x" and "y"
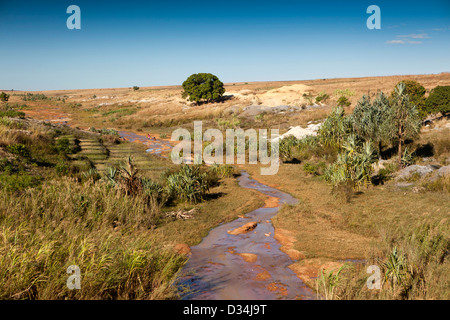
{"x": 155, "y": 145}
{"x": 216, "y": 271}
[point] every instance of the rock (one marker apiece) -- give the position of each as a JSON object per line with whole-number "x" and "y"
{"x": 299, "y": 132}
{"x": 415, "y": 169}
{"x": 245, "y": 228}
{"x": 404, "y": 184}
{"x": 231, "y": 110}
{"x": 440, "y": 173}
{"x": 380, "y": 164}
{"x": 443, "y": 171}
{"x": 254, "y": 110}
{"x": 249, "y": 257}
{"x": 182, "y": 248}
{"x": 287, "y": 240}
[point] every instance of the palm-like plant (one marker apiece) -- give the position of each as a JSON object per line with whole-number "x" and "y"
{"x": 189, "y": 184}
{"x": 396, "y": 268}
{"x": 327, "y": 283}
{"x": 353, "y": 165}
{"x": 403, "y": 120}
{"x": 336, "y": 128}
{"x": 130, "y": 182}
{"x": 368, "y": 119}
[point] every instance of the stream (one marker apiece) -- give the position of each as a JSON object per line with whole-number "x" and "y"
{"x": 216, "y": 271}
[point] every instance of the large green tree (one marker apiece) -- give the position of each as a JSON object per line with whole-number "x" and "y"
{"x": 439, "y": 100}
{"x": 203, "y": 86}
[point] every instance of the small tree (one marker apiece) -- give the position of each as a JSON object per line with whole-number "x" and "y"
{"x": 439, "y": 100}
{"x": 203, "y": 86}
{"x": 416, "y": 93}
{"x": 135, "y": 88}
{"x": 403, "y": 120}
{"x": 4, "y": 97}
{"x": 353, "y": 166}
{"x": 368, "y": 119}
{"x": 336, "y": 128}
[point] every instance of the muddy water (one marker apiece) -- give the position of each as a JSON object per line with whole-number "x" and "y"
{"x": 155, "y": 145}
{"x": 215, "y": 269}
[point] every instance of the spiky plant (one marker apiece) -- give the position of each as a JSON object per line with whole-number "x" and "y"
{"x": 353, "y": 166}
{"x": 327, "y": 283}
{"x": 130, "y": 182}
{"x": 403, "y": 120}
{"x": 188, "y": 184}
{"x": 368, "y": 119}
{"x": 396, "y": 269}
{"x": 336, "y": 128}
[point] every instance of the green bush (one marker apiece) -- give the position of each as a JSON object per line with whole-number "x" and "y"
{"x": 314, "y": 169}
{"x": 203, "y": 86}
{"x": 34, "y": 97}
{"x": 416, "y": 93}
{"x": 343, "y": 102}
{"x": 439, "y": 100}
{"x": 12, "y": 114}
{"x": 18, "y": 181}
{"x": 188, "y": 184}
{"x": 336, "y": 128}
{"x": 322, "y": 97}
{"x": 19, "y": 149}
{"x": 353, "y": 166}
{"x": 222, "y": 170}
{"x": 62, "y": 168}
{"x": 4, "y": 97}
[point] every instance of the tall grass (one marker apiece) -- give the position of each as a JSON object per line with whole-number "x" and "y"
{"x": 415, "y": 264}
{"x": 100, "y": 229}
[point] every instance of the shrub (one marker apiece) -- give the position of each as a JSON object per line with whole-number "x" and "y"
{"x": 34, "y": 97}
{"x": 345, "y": 92}
{"x": 314, "y": 169}
{"x": 63, "y": 146}
{"x": 322, "y": 97}
{"x": 369, "y": 118}
{"x": 12, "y": 114}
{"x": 439, "y": 100}
{"x": 336, "y": 128}
{"x": 19, "y": 149}
{"x": 222, "y": 170}
{"x": 353, "y": 167}
{"x": 188, "y": 184}
{"x": 343, "y": 102}
{"x": 62, "y": 168}
{"x": 4, "y": 97}
{"x": 135, "y": 88}
{"x": 203, "y": 86}
{"x": 416, "y": 93}
{"x": 18, "y": 181}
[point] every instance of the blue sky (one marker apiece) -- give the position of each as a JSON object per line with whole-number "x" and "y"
{"x": 126, "y": 43}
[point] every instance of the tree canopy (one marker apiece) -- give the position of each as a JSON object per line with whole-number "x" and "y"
{"x": 439, "y": 100}
{"x": 203, "y": 86}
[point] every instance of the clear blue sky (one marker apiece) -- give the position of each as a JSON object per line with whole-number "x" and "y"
{"x": 126, "y": 43}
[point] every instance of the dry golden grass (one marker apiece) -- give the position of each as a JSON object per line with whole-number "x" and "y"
{"x": 162, "y": 107}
